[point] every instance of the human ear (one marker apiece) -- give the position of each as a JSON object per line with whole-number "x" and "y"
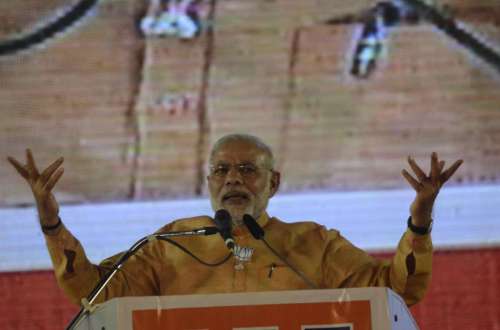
{"x": 275, "y": 181}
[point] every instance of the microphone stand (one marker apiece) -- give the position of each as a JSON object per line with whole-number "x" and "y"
{"x": 87, "y": 307}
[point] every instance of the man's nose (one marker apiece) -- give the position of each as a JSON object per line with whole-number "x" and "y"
{"x": 233, "y": 176}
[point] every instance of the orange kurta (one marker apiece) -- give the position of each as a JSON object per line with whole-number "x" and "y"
{"x": 324, "y": 256}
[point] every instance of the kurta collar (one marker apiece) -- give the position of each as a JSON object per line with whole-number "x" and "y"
{"x": 243, "y": 231}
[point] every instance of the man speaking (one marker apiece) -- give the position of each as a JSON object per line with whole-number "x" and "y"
{"x": 268, "y": 254}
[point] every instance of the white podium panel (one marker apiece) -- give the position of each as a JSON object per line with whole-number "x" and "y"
{"x": 340, "y": 309}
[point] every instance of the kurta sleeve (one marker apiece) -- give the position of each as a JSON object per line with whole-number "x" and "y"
{"x": 408, "y": 273}
{"x": 77, "y": 276}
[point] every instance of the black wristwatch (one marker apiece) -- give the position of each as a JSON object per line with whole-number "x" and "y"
{"x": 47, "y": 229}
{"x": 419, "y": 230}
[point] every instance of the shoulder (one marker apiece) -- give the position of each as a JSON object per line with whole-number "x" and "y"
{"x": 187, "y": 224}
{"x": 303, "y": 229}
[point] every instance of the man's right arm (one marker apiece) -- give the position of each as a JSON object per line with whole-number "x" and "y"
{"x": 67, "y": 254}
{"x": 76, "y": 275}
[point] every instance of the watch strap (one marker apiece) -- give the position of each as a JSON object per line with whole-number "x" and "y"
{"x": 419, "y": 230}
{"x": 46, "y": 229}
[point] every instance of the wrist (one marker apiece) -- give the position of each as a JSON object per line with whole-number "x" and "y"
{"x": 419, "y": 229}
{"x": 421, "y": 221}
{"x": 48, "y": 218}
{"x": 50, "y": 227}
{"x": 421, "y": 216}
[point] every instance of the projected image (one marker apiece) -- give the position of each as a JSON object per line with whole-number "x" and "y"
{"x": 172, "y": 18}
{"x": 134, "y": 94}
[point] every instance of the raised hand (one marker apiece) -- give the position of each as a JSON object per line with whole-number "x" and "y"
{"x": 41, "y": 185}
{"x": 427, "y": 187}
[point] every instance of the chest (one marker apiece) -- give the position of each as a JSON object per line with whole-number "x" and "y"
{"x": 252, "y": 268}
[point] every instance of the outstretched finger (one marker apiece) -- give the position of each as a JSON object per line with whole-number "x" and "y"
{"x": 53, "y": 179}
{"x": 416, "y": 169}
{"x": 450, "y": 171}
{"x": 434, "y": 173}
{"x": 414, "y": 183}
{"x": 19, "y": 167}
{"x": 441, "y": 165}
{"x": 31, "y": 163}
{"x": 52, "y": 168}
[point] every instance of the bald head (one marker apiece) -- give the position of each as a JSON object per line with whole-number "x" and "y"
{"x": 247, "y": 138}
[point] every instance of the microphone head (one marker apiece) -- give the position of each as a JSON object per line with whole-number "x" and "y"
{"x": 223, "y": 221}
{"x": 252, "y": 225}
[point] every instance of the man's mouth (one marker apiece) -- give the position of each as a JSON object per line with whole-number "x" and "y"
{"x": 235, "y": 197}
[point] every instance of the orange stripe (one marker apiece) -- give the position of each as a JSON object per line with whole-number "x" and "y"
{"x": 285, "y": 316}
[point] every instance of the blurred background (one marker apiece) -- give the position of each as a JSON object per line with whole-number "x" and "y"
{"x": 133, "y": 93}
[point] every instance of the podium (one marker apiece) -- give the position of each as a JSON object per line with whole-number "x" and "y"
{"x": 339, "y": 309}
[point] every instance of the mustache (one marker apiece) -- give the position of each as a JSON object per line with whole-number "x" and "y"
{"x": 235, "y": 193}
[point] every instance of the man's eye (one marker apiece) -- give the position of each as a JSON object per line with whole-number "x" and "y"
{"x": 221, "y": 170}
{"x": 248, "y": 169}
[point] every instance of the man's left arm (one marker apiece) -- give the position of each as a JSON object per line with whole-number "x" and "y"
{"x": 409, "y": 271}
{"x": 415, "y": 247}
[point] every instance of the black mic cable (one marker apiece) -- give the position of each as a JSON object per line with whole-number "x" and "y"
{"x": 258, "y": 233}
{"x": 223, "y": 223}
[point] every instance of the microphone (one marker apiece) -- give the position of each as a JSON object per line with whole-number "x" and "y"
{"x": 254, "y": 228}
{"x": 223, "y": 223}
{"x": 258, "y": 233}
